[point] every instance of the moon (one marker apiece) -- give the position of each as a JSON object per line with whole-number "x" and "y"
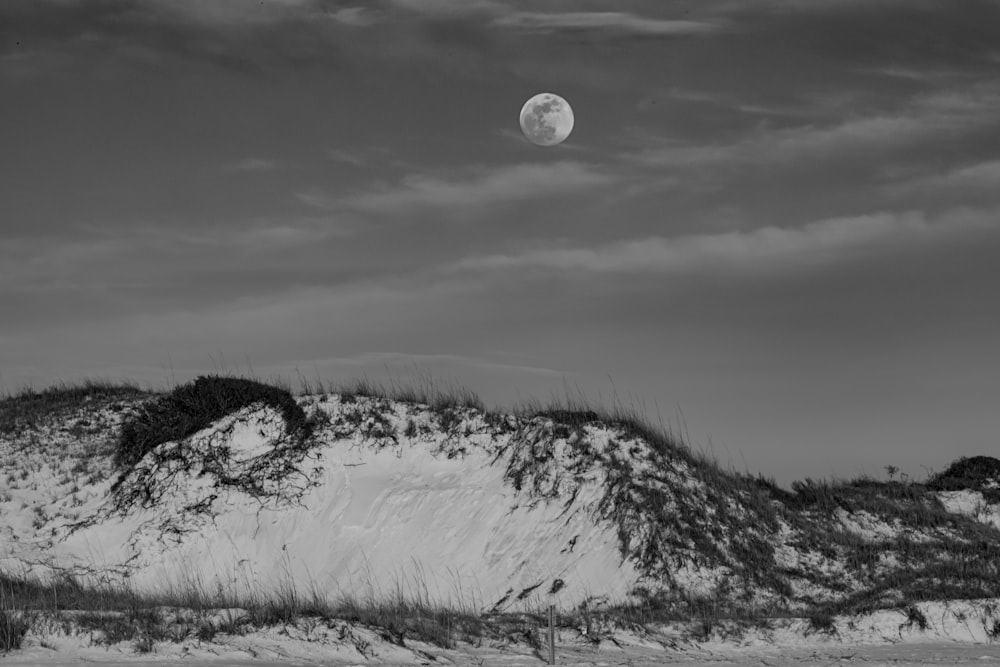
{"x": 546, "y": 119}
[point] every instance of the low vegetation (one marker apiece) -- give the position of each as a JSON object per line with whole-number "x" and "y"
{"x": 119, "y": 614}
{"x": 25, "y": 410}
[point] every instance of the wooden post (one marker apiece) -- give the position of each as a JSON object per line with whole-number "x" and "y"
{"x": 552, "y": 634}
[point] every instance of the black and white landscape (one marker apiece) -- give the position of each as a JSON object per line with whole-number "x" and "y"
{"x": 371, "y": 331}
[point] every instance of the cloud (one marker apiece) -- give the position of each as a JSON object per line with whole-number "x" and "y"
{"x": 367, "y": 157}
{"x": 467, "y": 38}
{"x": 354, "y": 16}
{"x": 766, "y": 248}
{"x": 943, "y": 113}
{"x": 348, "y": 157}
{"x": 450, "y": 7}
{"x": 264, "y": 234}
{"x": 27, "y": 263}
{"x": 727, "y": 100}
{"x": 252, "y": 164}
{"x": 914, "y": 74}
{"x": 612, "y": 21}
{"x": 982, "y": 175}
{"x": 118, "y": 255}
{"x": 234, "y": 11}
{"x": 796, "y": 5}
{"x": 358, "y": 310}
{"x": 69, "y": 18}
{"x": 511, "y": 183}
{"x": 239, "y": 34}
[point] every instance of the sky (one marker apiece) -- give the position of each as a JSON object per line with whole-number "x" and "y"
{"x": 775, "y": 225}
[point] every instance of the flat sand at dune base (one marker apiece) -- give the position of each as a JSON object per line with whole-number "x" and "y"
{"x": 624, "y": 649}
{"x": 871, "y": 656}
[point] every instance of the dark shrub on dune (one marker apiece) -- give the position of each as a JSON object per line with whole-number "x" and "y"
{"x": 979, "y": 473}
{"x": 195, "y": 406}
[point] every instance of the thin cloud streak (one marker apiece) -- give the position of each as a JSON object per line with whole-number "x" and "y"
{"x": 450, "y": 7}
{"x": 248, "y": 235}
{"x": 939, "y": 114}
{"x": 784, "y": 5}
{"x": 766, "y": 248}
{"x": 511, "y": 183}
{"x": 227, "y": 33}
{"x": 354, "y": 16}
{"x": 724, "y": 100}
{"x": 228, "y": 12}
{"x": 252, "y": 164}
{"x": 29, "y": 260}
{"x": 347, "y": 157}
{"x": 603, "y": 21}
{"x": 980, "y": 176}
{"x": 105, "y": 251}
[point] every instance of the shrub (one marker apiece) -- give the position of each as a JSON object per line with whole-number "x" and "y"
{"x": 815, "y": 494}
{"x": 969, "y": 473}
{"x": 822, "y": 621}
{"x": 978, "y": 468}
{"x": 13, "y": 628}
{"x": 194, "y": 406}
{"x": 914, "y": 615}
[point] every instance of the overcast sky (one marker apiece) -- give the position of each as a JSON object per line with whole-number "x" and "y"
{"x": 778, "y": 219}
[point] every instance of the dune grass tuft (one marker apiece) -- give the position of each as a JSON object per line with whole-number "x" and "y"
{"x": 194, "y": 406}
{"x": 13, "y": 627}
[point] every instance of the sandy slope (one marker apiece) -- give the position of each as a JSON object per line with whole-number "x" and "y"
{"x": 426, "y": 516}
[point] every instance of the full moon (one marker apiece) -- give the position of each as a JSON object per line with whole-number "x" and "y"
{"x": 546, "y": 119}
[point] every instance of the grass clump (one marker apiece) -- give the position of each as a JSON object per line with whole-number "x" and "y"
{"x": 822, "y": 621}
{"x": 426, "y": 393}
{"x": 194, "y": 406}
{"x": 914, "y": 616}
{"x": 399, "y": 620}
{"x": 13, "y": 627}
